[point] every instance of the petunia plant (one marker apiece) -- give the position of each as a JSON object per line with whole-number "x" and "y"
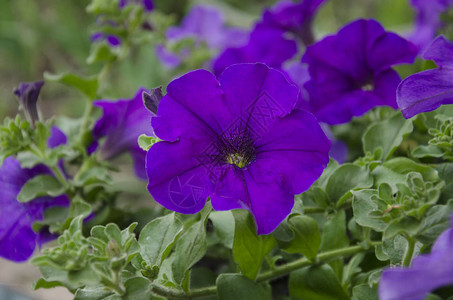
{"x": 238, "y": 151}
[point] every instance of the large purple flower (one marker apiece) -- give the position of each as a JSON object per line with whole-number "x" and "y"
{"x": 428, "y": 272}
{"x": 428, "y": 21}
{"x": 17, "y": 238}
{"x": 121, "y": 124}
{"x": 427, "y": 90}
{"x": 351, "y": 71}
{"x": 274, "y": 38}
{"x": 203, "y": 24}
{"x": 237, "y": 140}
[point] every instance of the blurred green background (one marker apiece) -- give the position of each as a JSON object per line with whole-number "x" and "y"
{"x": 53, "y": 36}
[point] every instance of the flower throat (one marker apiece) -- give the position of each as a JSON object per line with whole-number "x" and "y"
{"x": 237, "y": 148}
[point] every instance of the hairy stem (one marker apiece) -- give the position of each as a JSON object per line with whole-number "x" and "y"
{"x": 269, "y": 275}
{"x": 409, "y": 252}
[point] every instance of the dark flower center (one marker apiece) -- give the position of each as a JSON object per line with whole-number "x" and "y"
{"x": 237, "y": 148}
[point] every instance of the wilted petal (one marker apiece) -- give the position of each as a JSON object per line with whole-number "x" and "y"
{"x": 28, "y": 93}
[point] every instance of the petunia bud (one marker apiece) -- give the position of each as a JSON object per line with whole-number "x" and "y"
{"x": 152, "y": 99}
{"x": 28, "y": 93}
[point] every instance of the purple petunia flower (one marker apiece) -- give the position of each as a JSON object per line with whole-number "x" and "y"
{"x": 203, "y": 24}
{"x": 236, "y": 139}
{"x": 427, "y": 273}
{"x": 274, "y": 38}
{"x": 427, "y": 90}
{"x": 293, "y": 17}
{"x": 148, "y": 5}
{"x": 428, "y": 21}
{"x": 351, "y": 71}
{"x": 121, "y": 124}
{"x": 28, "y": 93}
{"x": 17, "y": 238}
{"x": 111, "y": 39}
{"x": 268, "y": 46}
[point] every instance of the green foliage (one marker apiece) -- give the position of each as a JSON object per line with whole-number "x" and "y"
{"x": 387, "y": 135}
{"x": 41, "y": 185}
{"x": 234, "y": 286}
{"x": 316, "y": 283}
{"x": 87, "y": 86}
{"x": 249, "y": 249}
{"x": 145, "y": 142}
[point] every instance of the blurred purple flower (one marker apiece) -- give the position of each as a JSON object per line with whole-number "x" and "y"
{"x": 427, "y": 273}
{"x": 427, "y": 90}
{"x": 351, "y": 71}
{"x": 268, "y": 46}
{"x": 28, "y": 93}
{"x": 17, "y": 238}
{"x": 428, "y": 21}
{"x": 274, "y": 38}
{"x": 203, "y": 24}
{"x": 237, "y": 140}
{"x": 148, "y": 5}
{"x": 111, "y": 39}
{"x": 293, "y": 17}
{"x": 121, "y": 124}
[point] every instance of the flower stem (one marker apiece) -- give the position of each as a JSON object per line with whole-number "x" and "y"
{"x": 269, "y": 275}
{"x": 409, "y": 252}
{"x": 313, "y": 210}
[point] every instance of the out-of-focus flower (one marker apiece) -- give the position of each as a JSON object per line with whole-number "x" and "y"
{"x": 274, "y": 38}
{"x": 204, "y": 25}
{"x": 28, "y": 93}
{"x": 427, "y": 273}
{"x": 121, "y": 124}
{"x": 268, "y": 46}
{"x": 111, "y": 39}
{"x": 351, "y": 71}
{"x": 148, "y": 5}
{"x": 427, "y": 90}
{"x": 237, "y": 140}
{"x": 428, "y": 21}
{"x": 293, "y": 17}
{"x": 17, "y": 238}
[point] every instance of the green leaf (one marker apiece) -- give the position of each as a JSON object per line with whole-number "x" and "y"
{"x": 102, "y": 52}
{"x": 86, "y": 85}
{"x": 395, "y": 170}
{"x": 436, "y": 221}
{"x": 190, "y": 248}
{"x": 249, "y": 249}
{"x": 427, "y": 151}
{"x": 334, "y": 237}
{"x": 365, "y": 292}
{"x": 224, "y": 226}
{"x": 405, "y": 225}
{"x": 137, "y": 288}
{"x": 307, "y": 238}
{"x": 93, "y": 293}
{"x": 316, "y": 283}
{"x": 41, "y": 185}
{"x": 346, "y": 178}
{"x": 387, "y": 134}
{"x": 363, "y": 205}
{"x": 235, "y": 286}
{"x": 145, "y": 142}
{"x": 158, "y": 237}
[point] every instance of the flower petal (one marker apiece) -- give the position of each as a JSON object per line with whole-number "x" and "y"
{"x": 178, "y": 175}
{"x": 295, "y": 149}
{"x": 425, "y": 91}
{"x": 257, "y": 102}
{"x": 441, "y": 51}
{"x": 190, "y": 108}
